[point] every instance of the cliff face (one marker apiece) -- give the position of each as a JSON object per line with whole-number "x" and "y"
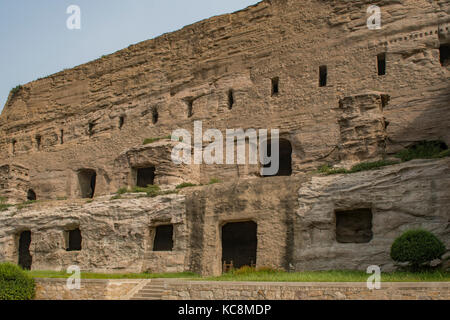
{"x": 338, "y": 92}
{"x": 86, "y": 116}
{"x": 298, "y": 223}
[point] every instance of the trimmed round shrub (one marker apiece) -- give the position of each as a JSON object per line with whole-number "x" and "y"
{"x": 15, "y": 284}
{"x": 417, "y": 247}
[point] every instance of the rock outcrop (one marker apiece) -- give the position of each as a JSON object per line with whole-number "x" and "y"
{"x": 338, "y": 92}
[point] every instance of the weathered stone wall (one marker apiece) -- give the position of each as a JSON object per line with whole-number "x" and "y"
{"x": 270, "y": 202}
{"x": 14, "y": 183}
{"x": 401, "y": 197}
{"x": 77, "y": 112}
{"x": 202, "y": 290}
{"x": 295, "y": 217}
{"x": 116, "y": 234}
{"x": 90, "y": 289}
{"x": 55, "y": 289}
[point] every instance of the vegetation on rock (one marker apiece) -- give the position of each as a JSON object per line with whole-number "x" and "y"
{"x": 417, "y": 247}
{"x": 15, "y": 283}
{"x": 424, "y": 150}
{"x": 152, "y": 140}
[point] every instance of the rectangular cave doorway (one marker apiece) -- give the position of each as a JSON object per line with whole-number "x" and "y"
{"x": 284, "y": 156}
{"x": 25, "y": 258}
{"x": 163, "y": 238}
{"x": 145, "y": 176}
{"x": 239, "y": 244}
{"x": 87, "y": 179}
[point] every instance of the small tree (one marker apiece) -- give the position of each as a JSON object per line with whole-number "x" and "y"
{"x": 15, "y": 284}
{"x": 417, "y": 247}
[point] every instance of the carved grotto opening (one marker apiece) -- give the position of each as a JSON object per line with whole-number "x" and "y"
{"x": 354, "y": 226}
{"x": 239, "y": 244}
{"x": 87, "y": 180}
{"x": 25, "y": 258}
{"x": 275, "y": 86}
{"x": 155, "y": 115}
{"x": 323, "y": 73}
{"x": 190, "y": 107}
{"x": 73, "y": 239}
{"x": 145, "y": 176}
{"x": 31, "y": 195}
{"x": 381, "y": 64}
{"x": 38, "y": 142}
{"x": 163, "y": 238}
{"x": 13, "y": 146}
{"x": 285, "y": 159}
{"x": 230, "y": 99}
{"x": 444, "y": 54}
{"x": 121, "y": 122}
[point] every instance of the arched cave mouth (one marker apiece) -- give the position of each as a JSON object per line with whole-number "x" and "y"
{"x": 31, "y": 195}
{"x": 239, "y": 243}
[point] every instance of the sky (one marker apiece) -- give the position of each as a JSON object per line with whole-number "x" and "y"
{"x": 35, "y": 41}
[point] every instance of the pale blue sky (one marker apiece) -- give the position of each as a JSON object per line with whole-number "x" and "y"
{"x": 35, "y": 41}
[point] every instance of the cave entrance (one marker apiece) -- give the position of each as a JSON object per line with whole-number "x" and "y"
{"x": 31, "y": 195}
{"x": 285, "y": 152}
{"x": 145, "y": 176}
{"x": 163, "y": 238}
{"x": 444, "y": 54}
{"x": 354, "y": 226}
{"x": 87, "y": 179}
{"x": 25, "y": 258}
{"x": 239, "y": 244}
{"x": 73, "y": 240}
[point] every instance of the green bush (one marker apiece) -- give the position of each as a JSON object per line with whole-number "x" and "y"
{"x": 3, "y": 205}
{"x": 424, "y": 150}
{"x": 15, "y": 284}
{"x": 150, "y": 190}
{"x": 122, "y": 190}
{"x": 214, "y": 181}
{"x": 372, "y": 165}
{"x": 364, "y": 166}
{"x": 152, "y": 140}
{"x": 16, "y": 90}
{"x": 185, "y": 185}
{"x": 417, "y": 247}
{"x": 247, "y": 270}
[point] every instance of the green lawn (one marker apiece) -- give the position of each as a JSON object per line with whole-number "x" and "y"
{"x": 268, "y": 276}
{"x": 333, "y": 276}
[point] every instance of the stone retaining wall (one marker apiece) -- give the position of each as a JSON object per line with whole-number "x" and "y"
{"x": 55, "y": 289}
{"x": 305, "y": 291}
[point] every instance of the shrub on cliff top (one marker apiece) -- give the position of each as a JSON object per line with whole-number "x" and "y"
{"x": 16, "y": 90}
{"x": 417, "y": 247}
{"x": 15, "y": 284}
